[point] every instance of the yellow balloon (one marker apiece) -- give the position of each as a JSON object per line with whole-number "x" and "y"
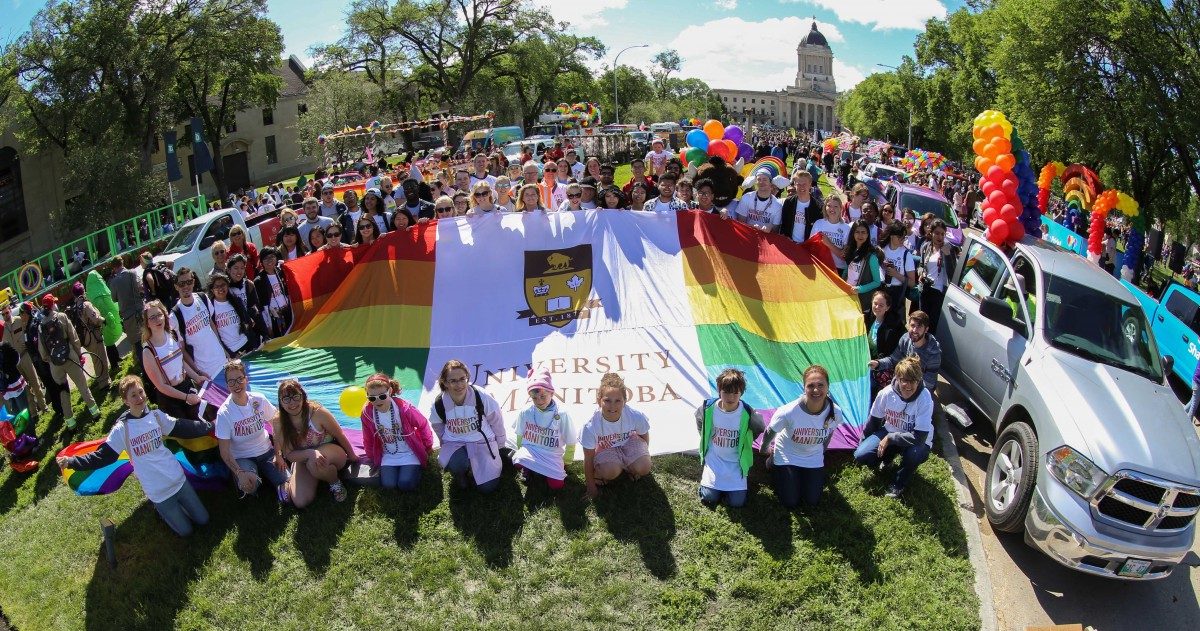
{"x": 747, "y": 169}
{"x": 352, "y": 401}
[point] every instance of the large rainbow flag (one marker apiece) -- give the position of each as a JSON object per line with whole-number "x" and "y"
{"x": 199, "y": 458}
{"x": 668, "y": 300}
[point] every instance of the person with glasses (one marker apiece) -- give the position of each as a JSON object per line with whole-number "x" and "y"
{"x": 194, "y": 321}
{"x": 470, "y": 427}
{"x": 366, "y": 231}
{"x": 312, "y": 218}
{"x": 638, "y": 196}
{"x": 552, "y": 193}
{"x": 273, "y": 294}
{"x": 574, "y": 198}
{"x": 705, "y": 194}
{"x": 529, "y": 199}
{"x": 312, "y": 443}
{"x": 397, "y": 438}
{"x": 241, "y": 431}
{"x": 443, "y": 208}
{"x": 504, "y": 197}
{"x": 901, "y": 423}
{"x": 234, "y": 325}
{"x": 239, "y": 244}
{"x": 168, "y": 365}
{"x": 287, "y": 219}
{"x": 482, "y": 200}
{"x": 329, "y": 206}
{"x": 530, "y": 173}
{"x": 219, "y": 253}
{"x": 462, "y": 203}
{"x": 333, "y": 238}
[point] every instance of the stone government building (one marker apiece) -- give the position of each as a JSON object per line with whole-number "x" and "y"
{"x": 808, "y": 104}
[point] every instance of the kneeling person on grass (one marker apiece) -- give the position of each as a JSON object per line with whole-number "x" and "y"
{"x": 242, "y": 435}
{"x": 396, "y": 436}
{"x": 728, "y": 427}
{"x": 469, "y": 425}
{"x": 797, "y": 438}
{"x": 901, "y": 423}
{"x": 616, "y": 439}
{"x": 139, "y": 432}
{"x": 545, "y": 437}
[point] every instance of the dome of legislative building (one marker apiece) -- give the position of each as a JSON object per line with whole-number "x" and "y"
{"x": 814, "y": 38}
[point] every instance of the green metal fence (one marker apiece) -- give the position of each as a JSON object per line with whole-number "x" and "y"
{"x": 59, "y": 266}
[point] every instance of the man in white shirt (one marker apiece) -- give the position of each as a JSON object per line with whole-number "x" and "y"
{"x": 194, "y": 320}
{"x": 577, "y": 167}
{"x": 665, "y": 202}
{"x": 480, "y": 172}
{"x": 760, "y": 208}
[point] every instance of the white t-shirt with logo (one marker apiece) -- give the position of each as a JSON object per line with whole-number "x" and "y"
{"x": 800, "y": 437}
{"x": 660, "y": 206}
{"x": 244, "y": 426}
{"x": 463, "y": 425}
{"x": 754, "y": 210}
{"x": 935, "y": 268}
{"x": 156, "y": 468}
{"x": 278, "y": 300}
{"x": 544, "y": 436}
{"x": 902, "y": 258}
{"x": 838, "y": 233}
{"x": 229, "y": 325}
{"x": 207, "y": 351}
{"x": 600, "y": 434}
{"x": 396, "y": 452}
{"x": 798, "y": 227}
{"x": 901, "y": 416}
{"x": 722, "y": 462}
{"x": 490, "y": 179}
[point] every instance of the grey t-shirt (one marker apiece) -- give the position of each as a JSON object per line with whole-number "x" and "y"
{"x": 126, "y": 288}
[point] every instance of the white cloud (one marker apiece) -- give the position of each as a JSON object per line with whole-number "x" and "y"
{"x": 883, "y": 14}
{"x": 728, "y": 5}
{"x": 746, "y": 55}
{"x": 847, "y": 76}
{"x": 583, "y": 15}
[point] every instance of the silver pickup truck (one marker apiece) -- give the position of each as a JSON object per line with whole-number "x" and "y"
{"x": 1094, "y": 457}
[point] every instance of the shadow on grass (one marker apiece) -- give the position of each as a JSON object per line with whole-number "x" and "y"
{"x": 491, "y": 521}
{"x": 639, "y": 511}
{"x": 569, "y": 500}
{"x": 834, "y": 524}
{"x": 149, "y": 586}
{"x": 407, "y": 508}
{"x": 260, "y": 521}
{"x": 46, "y": 476}
{"x": 320, "y": 525}
{"x": 763, "y": 516}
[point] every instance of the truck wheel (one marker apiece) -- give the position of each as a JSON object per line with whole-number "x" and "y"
{"x": 1011, "y": 476}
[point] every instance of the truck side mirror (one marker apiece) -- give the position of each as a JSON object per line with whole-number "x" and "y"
{"x": 1000, "y": 312}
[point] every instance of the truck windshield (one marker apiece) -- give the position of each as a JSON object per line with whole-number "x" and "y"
{"x": 1100, "y": 327}
{"x": 183, "y": 240}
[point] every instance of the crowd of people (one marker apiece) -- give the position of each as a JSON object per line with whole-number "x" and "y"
{"x": 184, "y": 335}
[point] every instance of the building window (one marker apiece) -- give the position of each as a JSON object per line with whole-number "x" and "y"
{"x": 231, "y": 127}
{"x": 13, "y": 221}
{"x": 301, "y": 108}
{"x": 272, "y": 157}
{"x": 192, "y": 181}
{"x": 187, "y": 133}
{"x": 268, "y": 116}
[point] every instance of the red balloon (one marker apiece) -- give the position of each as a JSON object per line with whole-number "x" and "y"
{"x": 998, "y": 231}
{"x": 998, "y": 199}
{"x": 714, "y": 149}
{"x": 1016, "y": 230}
{"x": 731, "y": 150}
{"x": 996, "y": 175}
{"x": 1009, "y": 212}
{"x": 990, "y": 215}
{"x": 1010, "y": 188}
{"x": 987, "y": 188}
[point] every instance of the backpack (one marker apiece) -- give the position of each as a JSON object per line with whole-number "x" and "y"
{"x": 440, "y": 408}
{"x": 164, "y": 282}
{"x": 82, "y": 328}
{"x": 55, "y": 340}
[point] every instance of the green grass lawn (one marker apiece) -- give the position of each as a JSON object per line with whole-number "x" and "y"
{"x": 644, "y": 555}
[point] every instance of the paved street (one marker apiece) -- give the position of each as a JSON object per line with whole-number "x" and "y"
{"x": 1030, "y": 589}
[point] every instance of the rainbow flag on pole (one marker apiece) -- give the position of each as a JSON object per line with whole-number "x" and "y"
{"x": 668, "y": 300}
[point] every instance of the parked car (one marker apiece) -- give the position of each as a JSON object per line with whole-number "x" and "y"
{"x": 885, "y": 173}
{"x": 1175, "y": 320}
{"x": 191, "y": 244}
{"x": 641, "y": 140}
{"x": 922, "y": 200}
{"x": 1093, "y": 458}
{"x": 539, "y": 146}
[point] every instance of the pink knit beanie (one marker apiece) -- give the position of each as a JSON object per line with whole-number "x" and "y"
{"x": 539, "y": 379}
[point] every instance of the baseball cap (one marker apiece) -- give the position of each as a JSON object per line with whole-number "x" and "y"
{"x": 49, "y": 300}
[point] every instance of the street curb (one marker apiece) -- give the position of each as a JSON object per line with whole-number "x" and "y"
{"x": 983, "y": 577}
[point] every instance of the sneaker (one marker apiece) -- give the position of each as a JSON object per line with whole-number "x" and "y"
{"x": 94, "y": 411}
{"x": 893, "y": 491}
{"x": 69, "y": 422}
{"x": 339, "y": 492}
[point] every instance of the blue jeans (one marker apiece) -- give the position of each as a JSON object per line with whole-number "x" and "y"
{"x": 794, "y": 485}
{"x": 910, "y": 457}
{"x": 712, "y": 497}
{"x": 183, "y": 510}
{"x": 460, "y": 464}
{"x": 264, "y": 465}
{"x": 1190, "y": 408}
{"x": 402, "y": 477}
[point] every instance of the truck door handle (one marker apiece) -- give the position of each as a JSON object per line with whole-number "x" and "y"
{"x": 1160, "y": 318}
{"x": 957, "y": 311}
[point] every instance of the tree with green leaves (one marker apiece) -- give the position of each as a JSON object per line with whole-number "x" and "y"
{"x": 336, "y": 100}
{"x": 633, "y": 84}
{"x": 665, "y": 62}
{"x": 234, "y": 72}
{"x": 536, "y": 70}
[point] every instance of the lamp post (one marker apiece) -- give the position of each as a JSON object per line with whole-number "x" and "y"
{"x": 616, "y": 102}
{"x": 910, "y": 109}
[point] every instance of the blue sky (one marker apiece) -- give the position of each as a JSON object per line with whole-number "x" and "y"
{"x": 747, "y": 44}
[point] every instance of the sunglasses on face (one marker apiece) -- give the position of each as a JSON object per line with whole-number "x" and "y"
{"x": 444, "y": 209}
{"x": 218, "y": 252}
{"x": 184, "y": 283}
{"x": 333, "y": 235}
{"x": 551, "y": 170}
{"x": 377, "y": 397}
{"x": 365, "y": 226}
{"x": 482, "y": 193}
{"x": 574, "y": 195}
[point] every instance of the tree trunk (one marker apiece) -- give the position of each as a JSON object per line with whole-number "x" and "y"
{"x": 218, "y": 172}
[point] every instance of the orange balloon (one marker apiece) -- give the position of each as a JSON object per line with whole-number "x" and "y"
{"x": 976, "y": 132}
{"x": 714, "y": 130}
{"x": 731, "y": 150}
{"x": 991, "y": 151}
{"x": 1003, "y": 143}
{"x": 982, "y": 164}
{"x": 979, "y": 145}
{"x": 1006, "y": 161}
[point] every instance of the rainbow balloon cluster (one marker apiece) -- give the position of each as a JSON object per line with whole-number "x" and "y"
{"x": 830, "y": 145}
{"x": 1045, "y": 180}
{"x": 920, "y": 159}
{"x": 715, "y": 139}
{"x": 1027, "y": 189}
{"x": 995, "y": 162}
{"x": 694, "y": 121}
{"x": 581, "y": 114}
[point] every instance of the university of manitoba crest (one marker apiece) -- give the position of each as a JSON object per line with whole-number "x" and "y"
{"x": 557, "y": 285}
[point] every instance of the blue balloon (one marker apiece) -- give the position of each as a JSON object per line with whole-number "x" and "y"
{"x": 698, "y": 139}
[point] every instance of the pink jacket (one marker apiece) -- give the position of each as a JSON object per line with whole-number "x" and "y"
{"x": 415, "y": 427}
